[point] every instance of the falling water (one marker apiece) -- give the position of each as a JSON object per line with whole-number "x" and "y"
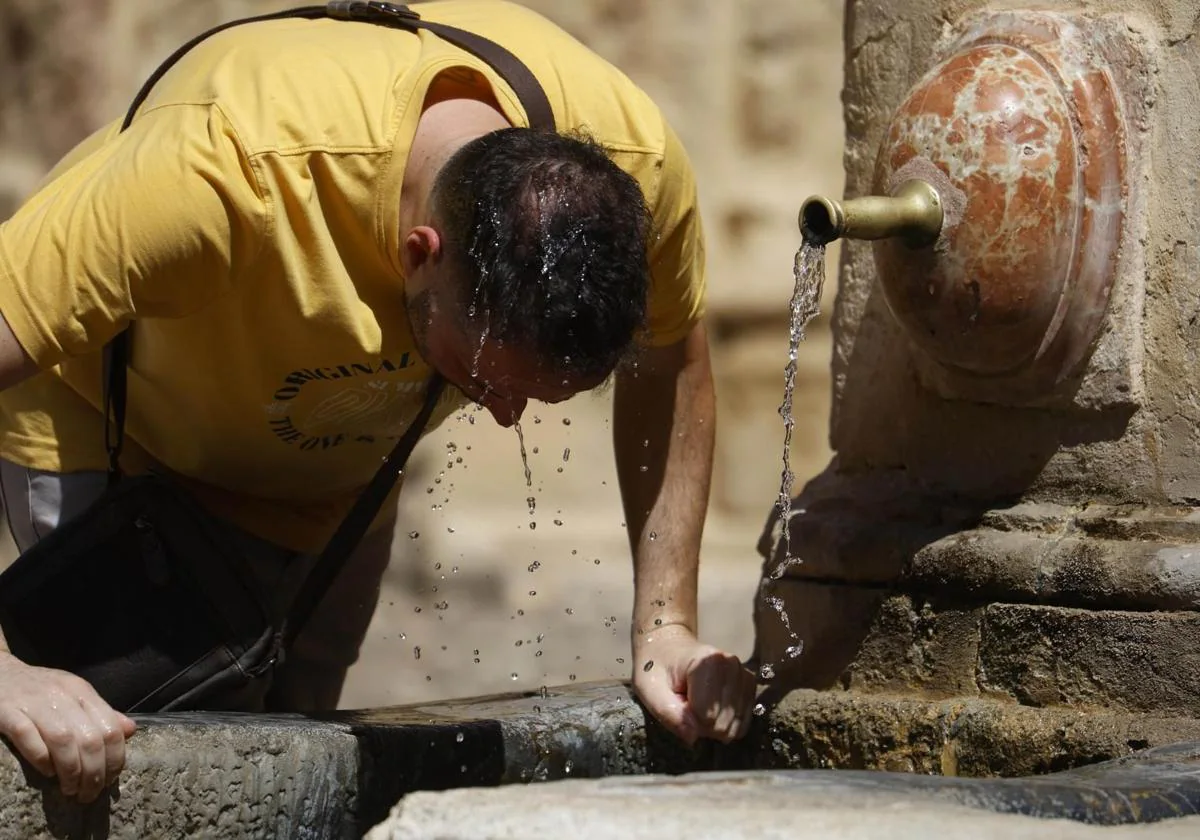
{"x": 809, "y": 273}
{"x": 524, "y": 456}
{"x": 483, "y": 337}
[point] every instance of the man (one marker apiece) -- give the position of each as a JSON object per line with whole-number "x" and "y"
{"x": 305, "y": 220}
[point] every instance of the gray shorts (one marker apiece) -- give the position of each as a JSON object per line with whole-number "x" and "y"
{"x": 35, "y": 502}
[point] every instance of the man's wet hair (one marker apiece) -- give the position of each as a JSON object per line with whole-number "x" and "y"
{"x": 551, "y": 236}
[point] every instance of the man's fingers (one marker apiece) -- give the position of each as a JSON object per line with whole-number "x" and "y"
{"x": 749, "y": 693}
{"x": 115, "y": 728}
{"x": 128, "y": 727}
{"x": 109, "y": 747}
{"x": 669, "y": 708}
{"x": 59, "y": 725}
{"x": 27, "y": 740}
{"x": 720, "y": 694}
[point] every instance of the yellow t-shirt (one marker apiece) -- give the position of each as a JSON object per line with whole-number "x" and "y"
{"x": 247, "y": 222}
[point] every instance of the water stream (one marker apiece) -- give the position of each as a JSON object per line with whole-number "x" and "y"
{"x": 808, "y": 272}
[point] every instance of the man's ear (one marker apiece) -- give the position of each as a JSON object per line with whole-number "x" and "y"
{"x": 422, "y": 244}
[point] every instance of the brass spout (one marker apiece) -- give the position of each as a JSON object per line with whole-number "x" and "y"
{"x": 913, "y": 213}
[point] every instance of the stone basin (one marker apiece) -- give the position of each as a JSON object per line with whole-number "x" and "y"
{"x": 262, "y": 776}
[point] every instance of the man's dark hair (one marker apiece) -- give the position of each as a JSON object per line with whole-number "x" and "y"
{"x": 552, "y": 239}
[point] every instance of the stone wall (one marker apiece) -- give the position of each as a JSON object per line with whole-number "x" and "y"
{"x": 999, "y": 532}
{"x": 752, "y": 88}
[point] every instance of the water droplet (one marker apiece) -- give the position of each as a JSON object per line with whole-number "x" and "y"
{"x": 653, "y": 536}
{"x": 568, "y": 767}
{"x": 532, "y": 592}
{"x": 416, "y": 609}
{"x": 520, "y": 612}
{"x": 449, "y": 530}
{"x": 566, "y": 454}
{"x": 514, "y": 676}
{"x": 417, "y": 652}
{"x": 571, "y": 677}
{"x": 532, "y": 526}
{"x": 759, "y": 710}
{"x": 459, "y": 737}
{"x": 539, "y": 653}
{"x": 558, "y": 522}
{"x": 569, "y": 611}
{"x": 658, "y": 622}
{"x": 620, "y": 660}
{"x": 597, "y": 561}
{"x": 648, "y": 665}
{"x": 766, "y": 672}
{"x": 412, "y": 535}
{"x": 643, "y": 468}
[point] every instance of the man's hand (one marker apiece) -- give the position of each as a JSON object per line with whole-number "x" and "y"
{"x": 693, "y": 689}
{"x": 61, "y": 726}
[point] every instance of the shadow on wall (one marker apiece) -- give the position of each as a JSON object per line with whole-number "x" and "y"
{"x": 920, "y": 469}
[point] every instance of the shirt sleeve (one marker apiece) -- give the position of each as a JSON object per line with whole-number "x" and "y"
{"x": 148, "y": 223}
{"x": 677, "y": 254}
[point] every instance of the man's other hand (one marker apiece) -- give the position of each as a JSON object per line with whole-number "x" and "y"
{"x": 693, "y": 689}
{"x": 61, "y": 726}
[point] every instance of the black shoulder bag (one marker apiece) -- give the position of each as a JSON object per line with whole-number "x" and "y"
{"x": 144, "y": 595}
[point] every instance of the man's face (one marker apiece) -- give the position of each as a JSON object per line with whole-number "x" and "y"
{"x": 499, "y": 377}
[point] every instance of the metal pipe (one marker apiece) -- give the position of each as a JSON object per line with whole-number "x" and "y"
{"x": 913, "y": 213}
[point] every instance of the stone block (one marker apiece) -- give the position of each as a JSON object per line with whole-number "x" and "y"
{"x": 963, "y": 736}
{"x": 1052, "y": 656}
{"x": 918, "y": 646}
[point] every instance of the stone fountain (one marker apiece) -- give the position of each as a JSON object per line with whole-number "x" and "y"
{"x": 1007, "y": 539}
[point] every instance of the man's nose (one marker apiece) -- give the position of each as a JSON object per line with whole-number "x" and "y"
{"x": 507, "y": 411}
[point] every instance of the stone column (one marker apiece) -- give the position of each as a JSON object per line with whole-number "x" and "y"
{"x": 1010, "y": 511}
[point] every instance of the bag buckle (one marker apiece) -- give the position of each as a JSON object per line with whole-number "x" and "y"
{"x": 369, "y": 10}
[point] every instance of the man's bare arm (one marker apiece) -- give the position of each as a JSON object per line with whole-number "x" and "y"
{"x": 663, "y": 433}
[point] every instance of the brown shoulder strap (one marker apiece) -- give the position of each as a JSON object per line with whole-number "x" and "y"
{"x": 508, "y": 66}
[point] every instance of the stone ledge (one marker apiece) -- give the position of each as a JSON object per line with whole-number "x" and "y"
{"x": 1156, "y": 786}
{"x": 962, "y": 736}
{"x": 1036, "y": 655}
{"x": 261, "y": 776}
{"x": 1098, "y": 556}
